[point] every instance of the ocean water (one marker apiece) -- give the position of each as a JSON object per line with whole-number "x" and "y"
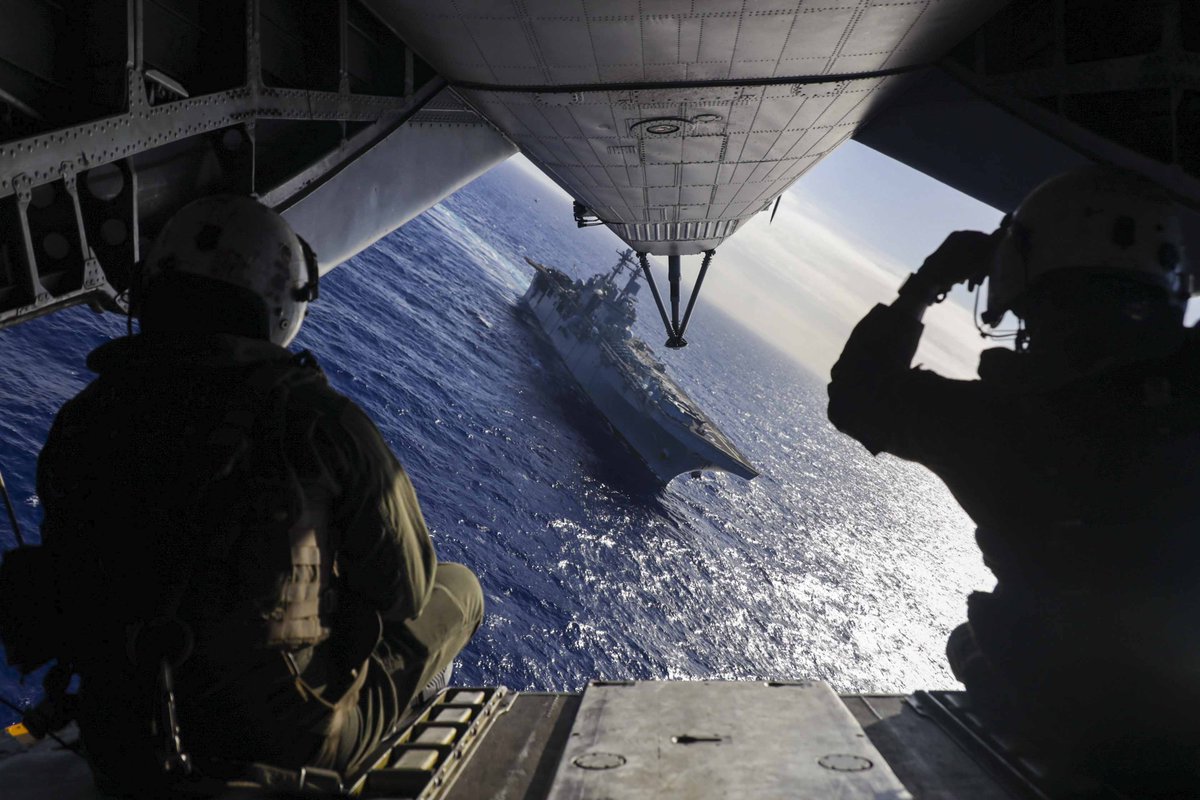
{"x": 831, "y": 565}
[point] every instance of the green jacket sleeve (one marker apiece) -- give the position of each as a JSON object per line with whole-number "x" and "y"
{"x": 385, "y": 554}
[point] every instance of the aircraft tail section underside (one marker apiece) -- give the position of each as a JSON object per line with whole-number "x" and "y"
{"x": 675, "y": 122}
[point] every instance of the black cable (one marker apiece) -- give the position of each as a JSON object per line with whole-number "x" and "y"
{"x": 12, "y": 514}
{"x": 73, "y": 748}
{"x": 1001, "y": 336}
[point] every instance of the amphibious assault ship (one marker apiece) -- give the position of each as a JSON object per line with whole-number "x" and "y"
{"x": 671, "y": 123}
{"x": 589, "y": 323}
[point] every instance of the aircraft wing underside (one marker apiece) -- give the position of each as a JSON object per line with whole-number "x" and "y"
{"x": 1043, "y": 86}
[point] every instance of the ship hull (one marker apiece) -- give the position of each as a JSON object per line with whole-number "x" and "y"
{"x": 669, "y": 446}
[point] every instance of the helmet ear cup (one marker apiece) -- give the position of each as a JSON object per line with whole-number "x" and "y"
{"x": 1007, "y": 279}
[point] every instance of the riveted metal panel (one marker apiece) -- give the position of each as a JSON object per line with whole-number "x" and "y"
{"x": 778, "y": 108}
{"x": 750, "y": 192}
{"x": 704, "y": 173}
{"x": 762, "y": 170}
{"x": 695, "y": 195}
{"x": 818, "y": 34}
{"x": 662, "y": 174}
{"x": 633, "y": 196}
{"x": 758, "y": 145}
{"x": 608, "y": 72}
{"x": 617, "y": 43}
{"x": 719, "y": 740}
{"x": 547, "y": 43}
{"x": 660, "y": 39}
{"x": 878, "y": 29}
{"x": 610, "y": 152}
{"x": 758, "y": 38}
{"x": 595, "y": 119}
{"x": 703, "y": 149}
{"x": 718, "y": 38}
{"x": 725, "y": 173}
{"x": 725, "y": 193}
{"x": 608, "y": 195}
{"x": 742, "y": 173}
{"x": 566, "y": 47}
{"x": 662, "y": 150}
{"x": 662, "y": 195}
{"x": 599, "y": 176}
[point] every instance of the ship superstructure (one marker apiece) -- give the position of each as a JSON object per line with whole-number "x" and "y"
{"x": 589, "y": 323}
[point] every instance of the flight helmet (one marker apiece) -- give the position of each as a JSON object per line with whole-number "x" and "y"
{"x": 1096, "y": 218}
{"x": 240, "y": 247}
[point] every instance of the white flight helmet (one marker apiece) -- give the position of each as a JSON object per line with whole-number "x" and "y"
{"x": 1099, "y": 218}
{"x": 239, "y": 241}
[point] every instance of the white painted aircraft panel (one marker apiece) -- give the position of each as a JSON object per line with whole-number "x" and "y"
{"x": 579, "y": 88}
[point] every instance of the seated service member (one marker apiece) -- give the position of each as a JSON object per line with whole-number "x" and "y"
{"x": 219, "y": 519}
{"x": 1078, "y": 456}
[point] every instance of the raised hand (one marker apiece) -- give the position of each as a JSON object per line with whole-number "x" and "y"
{"x": 963, "y": 256}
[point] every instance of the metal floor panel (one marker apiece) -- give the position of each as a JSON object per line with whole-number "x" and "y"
{"x": 719, "y": 739}
{"x": 1013, "y": 762}
{"x": 695, "y": 740}
{"x": 518, "y": 758}
{"x": 931, "y": 764}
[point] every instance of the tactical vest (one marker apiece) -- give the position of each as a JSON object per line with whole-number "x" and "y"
{"x": 253, "y": 472}
{"x": 211, "y": 468}
{"x": 233, "y": 539}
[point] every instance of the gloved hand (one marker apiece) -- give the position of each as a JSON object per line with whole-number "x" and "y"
{"x": 964, "y": 256}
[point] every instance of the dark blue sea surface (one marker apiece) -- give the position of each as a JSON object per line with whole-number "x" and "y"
{"x": 831, "y": 565}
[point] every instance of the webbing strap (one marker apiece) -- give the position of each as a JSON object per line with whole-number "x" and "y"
{"x": 306, "y": 630}
{"x": 306, "y": 592}
{"x": 306, "y": 555}
{"x": 225, "y": 444}
{"x": 299, "y": 622}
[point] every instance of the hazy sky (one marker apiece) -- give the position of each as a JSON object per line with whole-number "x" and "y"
{"x": 845, "y": 236}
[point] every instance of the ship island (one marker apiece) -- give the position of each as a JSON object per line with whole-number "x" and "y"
{"x": 590, "y": 325}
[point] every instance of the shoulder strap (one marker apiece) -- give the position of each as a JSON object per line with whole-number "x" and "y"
{"x": 225, "y": 445}
{"x": 161, "y": 642}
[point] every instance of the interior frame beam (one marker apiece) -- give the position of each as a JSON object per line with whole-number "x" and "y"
{"x": 157, "y": 112}
{"x": 59, "y": 154}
